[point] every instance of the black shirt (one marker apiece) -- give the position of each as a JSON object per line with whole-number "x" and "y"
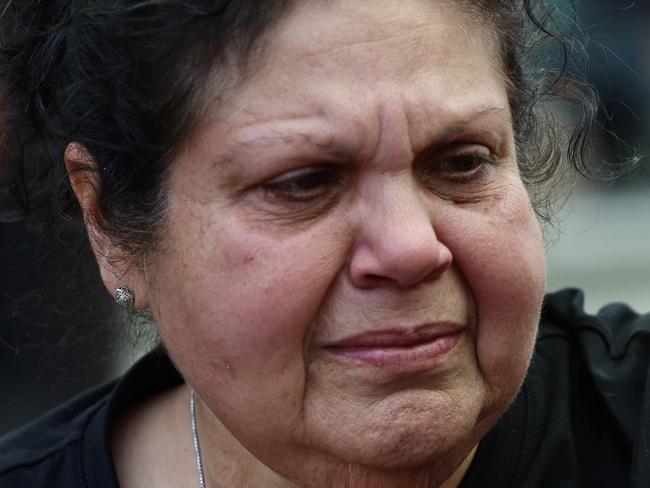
{"x": 581, "y": 419}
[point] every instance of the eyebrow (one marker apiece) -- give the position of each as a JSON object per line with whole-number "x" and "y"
{"x": 338, "y": 151}
{"x": 466, "y": 125}
{"x": 328, "y": 145}
{"x": 460, "y": 127}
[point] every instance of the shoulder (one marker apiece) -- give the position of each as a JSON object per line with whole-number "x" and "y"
{"x": 588, "y": 387}
{"x": 616, "y": 327}
{"x": 611, "y": 348}
{"x": 70, "y": 447}
{"x": 48, "y": 451}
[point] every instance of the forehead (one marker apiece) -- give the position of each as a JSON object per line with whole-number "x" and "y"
{"x": 429, "y": 60}
{"x": 383, "y": 36}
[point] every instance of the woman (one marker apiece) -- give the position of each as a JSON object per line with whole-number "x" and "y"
{"x": 325, "y": 207}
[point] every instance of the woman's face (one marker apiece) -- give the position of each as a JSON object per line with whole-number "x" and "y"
{"x": 351, "y": 269}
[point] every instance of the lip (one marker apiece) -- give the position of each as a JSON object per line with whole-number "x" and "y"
{"x": 400, "y": 349}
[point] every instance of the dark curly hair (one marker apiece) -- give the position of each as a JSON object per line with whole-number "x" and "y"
{"x": 125, "y": 79}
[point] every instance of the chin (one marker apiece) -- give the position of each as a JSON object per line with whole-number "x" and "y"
{"x": 405, "y": 458}
{"x": 413, "y": 431}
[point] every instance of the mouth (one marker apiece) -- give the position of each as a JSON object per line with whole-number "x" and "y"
{"x": 400, "y": 350}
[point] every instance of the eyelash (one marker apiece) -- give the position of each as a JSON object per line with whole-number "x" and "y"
{"x": 480, "y": 163}
{"x": 318, "y": 182}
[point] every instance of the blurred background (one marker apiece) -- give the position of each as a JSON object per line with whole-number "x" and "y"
{"x": 602, "y": 242}
{"x": 54, "y": 344}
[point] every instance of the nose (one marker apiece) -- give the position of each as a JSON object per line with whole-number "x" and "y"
{"x": 397, "y": 243}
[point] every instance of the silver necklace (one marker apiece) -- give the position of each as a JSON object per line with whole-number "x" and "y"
{"x": 195, "y": 438}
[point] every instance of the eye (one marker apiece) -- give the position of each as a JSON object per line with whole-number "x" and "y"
{"x": 304, "y": 184}
{"x": 465, "y": 167}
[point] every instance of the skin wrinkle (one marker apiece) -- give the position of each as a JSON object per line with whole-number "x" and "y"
{"x": 328, "y": 146}
{"x": 394, "y": 22}
{"x": 344, "y": 151}
{"x": 421, "y": 26}
{"x": 455, "y": 131}
{"x": 346, "y": 45}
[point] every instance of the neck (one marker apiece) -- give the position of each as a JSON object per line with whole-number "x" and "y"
{"x": 357, "y": 477}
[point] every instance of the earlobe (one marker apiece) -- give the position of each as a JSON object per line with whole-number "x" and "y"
{"x": 117, "y": 270}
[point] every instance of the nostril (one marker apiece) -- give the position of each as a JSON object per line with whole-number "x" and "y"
{"x": 376, "y": 280}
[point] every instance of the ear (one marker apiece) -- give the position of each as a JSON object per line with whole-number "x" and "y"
{"x": 116, "y": 267}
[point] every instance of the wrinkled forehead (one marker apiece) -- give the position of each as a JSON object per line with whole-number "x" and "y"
{"x": 334, "y": 58}
{"x": 384, "y": 35}
{"x": 331, "y": 47}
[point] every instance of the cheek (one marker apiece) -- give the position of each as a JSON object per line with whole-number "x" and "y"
{"x": 501, "y": 256}
{"x": 235, "y": 307}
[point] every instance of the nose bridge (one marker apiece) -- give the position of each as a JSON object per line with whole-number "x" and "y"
{"x": 397, "y": 207}
{"x": 397, "y": 239}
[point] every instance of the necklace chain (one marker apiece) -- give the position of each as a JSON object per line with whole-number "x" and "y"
{"x": 195, "y": 438}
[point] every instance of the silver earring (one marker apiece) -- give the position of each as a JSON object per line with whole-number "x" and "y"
{"x": 124, "y": 297}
